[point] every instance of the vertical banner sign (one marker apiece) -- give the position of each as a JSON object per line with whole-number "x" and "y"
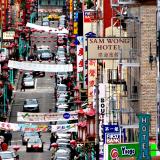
{"x": 71, "y": 9}
{"x": 144, "y": 124}
{"x": 87, "y": 27}
{"x": 92, "y": 75}
{"x": 79, "y": 57}
{"x": 102, "y": 108}
{"x": 111, "y": 134}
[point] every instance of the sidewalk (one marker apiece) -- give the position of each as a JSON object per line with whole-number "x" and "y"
{"x": 15, "y": 86}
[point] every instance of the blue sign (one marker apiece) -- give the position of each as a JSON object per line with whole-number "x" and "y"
{"x": 111, "y": 134}
{"x": 144, "y": 124}
{"x": 111, "y": 128}
{"x": 66, "y": 115}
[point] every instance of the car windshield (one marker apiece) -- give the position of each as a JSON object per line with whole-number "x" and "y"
{"x": 31, "y": 101}
{"x": 34, "y": 141}
{"x": 60, "y": 53}
{"x": 28, "y": 79}
{"x": 27, "y": 134}
{"x": 7, "y": 155}
{"x": 61, "y": 100}
{"x": 61, "y": 49}
{"x": 62, "y": 88}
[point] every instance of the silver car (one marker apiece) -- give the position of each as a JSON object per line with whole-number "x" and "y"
{"x": 8, "y": 155}
{"x": 29, "y": 82}
{"x": 31, "y": 105}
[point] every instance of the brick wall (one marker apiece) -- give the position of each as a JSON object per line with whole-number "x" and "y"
{"x": 148, "y": 75}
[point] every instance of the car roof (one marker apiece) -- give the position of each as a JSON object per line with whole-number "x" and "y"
{"x": 32, "y": 99}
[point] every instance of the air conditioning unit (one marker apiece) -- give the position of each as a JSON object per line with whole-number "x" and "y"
{"x": 126, "y": 2}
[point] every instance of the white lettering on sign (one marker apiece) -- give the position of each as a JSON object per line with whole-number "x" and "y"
{"x": 112, "y": 138}
{"x": 127, "y": 152}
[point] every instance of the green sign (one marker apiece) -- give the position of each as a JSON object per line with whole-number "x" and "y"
{"x": 125, "y": 150}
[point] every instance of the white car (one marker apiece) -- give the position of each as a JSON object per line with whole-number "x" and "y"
{"x": 31, "y": 105}
{"x": 8, "y": 155}
{"x": 34, "y": 144}
{"x": 63, "y": 135}
{"x": 62, "y": 153}
{"x": 29, "y": 81}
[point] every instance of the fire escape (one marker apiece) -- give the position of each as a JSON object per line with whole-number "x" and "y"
{"x": 126, "y": 21}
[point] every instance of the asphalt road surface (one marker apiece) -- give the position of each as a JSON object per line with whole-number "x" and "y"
{"x": 44, "y": 92}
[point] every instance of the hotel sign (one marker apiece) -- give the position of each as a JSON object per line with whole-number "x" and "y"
{"x": 109, "y": 47}
{"x": 144, "y": 125}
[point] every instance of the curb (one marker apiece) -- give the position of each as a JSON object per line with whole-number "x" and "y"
{"x": 17, "y": 78}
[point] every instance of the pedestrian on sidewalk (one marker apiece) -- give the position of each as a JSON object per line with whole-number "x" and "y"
{"x": 53, "y": 139}
{"x": 22, "y": 86}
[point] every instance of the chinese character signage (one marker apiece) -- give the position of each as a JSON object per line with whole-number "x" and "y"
{"x": 109, "y": 48}
{"x": 111, "y": 134}
{"x": 144, "y": 124}
{"x": 8, "y": 35}
{"x": 80, "y": 52}
{"x": 92, "y": 75}
{"x": 123, "y": 150}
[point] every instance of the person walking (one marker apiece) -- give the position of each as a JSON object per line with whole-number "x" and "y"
{"x": 9, "y": 137}
{"x": 53, "y": 139}
{"x": 22, "y": 86}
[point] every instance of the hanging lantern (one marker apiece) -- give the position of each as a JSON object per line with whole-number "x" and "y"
{"x": 54, "y": 145}
{"x": 73, "y": 143}
{"x": 5, "y": 68}
{"x": 20, "y": 71}
{"x": 16, "y": 148}
{"x": 84, "y": 131}
{"x": 1, "y": 83}
{"x": 79, "y": 131}
{"x": 91, "y": 122}
{"x": 51, "y": 75}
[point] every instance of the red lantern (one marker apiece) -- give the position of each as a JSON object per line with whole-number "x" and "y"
{"x": 54, "y": 145}
{"x": 16, "y": 148}
{"x": 91, "y": 122}
{"x": 5, "y": 68}
{"x": 20, "y": 71}
{"x": 84, "y": 131}
{"x": 73, "y": 143}
{"x": 79, "y": 131}
{"x": 1, "y": 83}
{"x": 4, "y": 147}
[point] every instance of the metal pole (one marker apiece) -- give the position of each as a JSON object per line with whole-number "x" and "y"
{"x": 4, "y": 99}
{"x": 97, "y": 118}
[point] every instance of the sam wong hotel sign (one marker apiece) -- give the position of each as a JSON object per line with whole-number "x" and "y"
{"x": 109, "y": 47}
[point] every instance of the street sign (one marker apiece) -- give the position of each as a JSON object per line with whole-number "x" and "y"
{"x": 66, "y": 115}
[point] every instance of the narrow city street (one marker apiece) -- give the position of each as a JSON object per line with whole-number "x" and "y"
{"x": 43, "y": 92}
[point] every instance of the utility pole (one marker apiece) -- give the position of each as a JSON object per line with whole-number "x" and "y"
{"x": 97, "y": 118}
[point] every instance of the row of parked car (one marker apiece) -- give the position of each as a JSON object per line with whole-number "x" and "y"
{"x": 62, "y": 93}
